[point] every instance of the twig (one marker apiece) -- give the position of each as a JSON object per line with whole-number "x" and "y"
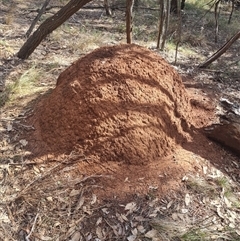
{"x": 32, "y": 229}
{"x": 42, "y": 10}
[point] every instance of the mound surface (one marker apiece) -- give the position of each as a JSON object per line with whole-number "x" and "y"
{"x": 121, "y": 103}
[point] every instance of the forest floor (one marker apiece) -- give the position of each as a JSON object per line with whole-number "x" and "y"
{"x": 52, "y": 192}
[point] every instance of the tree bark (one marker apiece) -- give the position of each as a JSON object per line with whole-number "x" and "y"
{"x": 42, "y": 10}
{"x": 129, "y": 9}
{"x": 221, "y": 51}
{"x": 107, "y": 8}
{"x": 179, "y": 29}
{"x": 164, "y": 22}
{"x": 49, "y": 25}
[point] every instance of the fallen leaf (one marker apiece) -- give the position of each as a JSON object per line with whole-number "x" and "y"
{"x": 141, "y": 229}
{"x": 36, "y": 170}
{"x": 131, "y": 238}
{"x": 80, "y": 203}
{"x": 99, "y": 232}
{"x": 94, "y": 199}
{"x": 89, "y": 237}
{"x": 151, "y": 234}
{"x": 131, "y": 207}
{"x": 227, "y": 202}
{"x": 169, "y": 204}
{"x": 9, "y": 127}
{"x": 105, "y": 210}
{"x": 76, "y": 236}
{"x": 184, "y": 210}
{"x": 74, "y": 192}
{"x": 134, "y": 231}
{"x": 23, "y": 142}
{"x": 99, "y": 221}
{"x": 220, "y": 214}
{"x": 50, "y": 199}
{"x": 175, "y": 216}
{"x": 205, "y": 170}
{"x": 187, "y": 199}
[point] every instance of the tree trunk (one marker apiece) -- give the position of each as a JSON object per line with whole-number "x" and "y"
{"x": 42, "y": 10}
{"x": 179, "y": 29}
{"x": 216, "y": 14}
{"x": 164, "y": 22}
{"x": 129, "y": 9}
{"x": 49, "y": 25}
{"x": 107, "y": 8}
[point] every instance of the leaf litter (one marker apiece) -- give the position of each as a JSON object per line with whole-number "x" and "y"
{"x": 40, "y": 201}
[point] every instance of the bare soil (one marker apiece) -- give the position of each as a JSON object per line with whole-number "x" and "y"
{"x": 126, "y": 111}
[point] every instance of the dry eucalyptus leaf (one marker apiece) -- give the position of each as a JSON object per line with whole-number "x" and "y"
{"x": 184, "y": 210}
{"x": 115, "y": 229}
{"x": 99, "y": 221}
{"x": 80, "y": 203}
{"x": 74, "y": 192}
{"x": 89, "y": 237}
{"x": 23, "y": 142}
{"x": 219, "y": 212}
{"x": 141, "y": 229}
{"x": 36, "y": 170}
{"x": 94, "y": 199}
{"x": 134, "y": 231}
{"x": 50, "y": 199}
{"x": 205, "y": 168}
{"x": 151, "y": 234}
{"x": 45, "y": 238}
{"x": 169, "y": 204}
{"x": 99, "y": 232}
{"x": 175, "y": 216}
{"x": 76, "y": 236}
{"x": 227, "y": 202}
{"x": 187, "y": 199}
{"x": 57, "y": 224}
{"x": 9, "y": 127}
{"x": 131, "y": 206}
{"x": 131, "y": 238}
{"x": 105, "y": 210}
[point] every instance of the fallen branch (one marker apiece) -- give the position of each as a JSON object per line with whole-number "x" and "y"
{"x": 221, "y": 51}
{"x": 42, "y": 10}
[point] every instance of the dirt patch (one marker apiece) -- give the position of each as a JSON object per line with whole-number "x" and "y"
{"x": 123, "y": 112}
{"x": 121, "y": 103}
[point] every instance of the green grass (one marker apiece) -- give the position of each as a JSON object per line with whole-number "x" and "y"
{"x": 194, "y": 235}
{"x": 26, "y": 84}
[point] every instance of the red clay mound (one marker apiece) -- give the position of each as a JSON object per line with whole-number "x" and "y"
{"x": 121, "y": 103}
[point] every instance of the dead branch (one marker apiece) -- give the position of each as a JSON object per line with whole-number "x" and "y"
{"x": 42, "y": 10}
{"x": 50, "y": 25}
{"x": 221, "y": 51}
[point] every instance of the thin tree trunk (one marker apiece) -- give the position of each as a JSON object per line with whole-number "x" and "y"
{"x": 163, "y": 23}
{"x": 129, "y": 9}
{"x": 217, "y": 13}
{"x": 230, "y": 16}
{"x": 107, "y": 8}
{"x": 42, "y": 10}
{"x": 179, "y": 30}
{"x": 49, "y": 25}
{"x": 221, "y": 51}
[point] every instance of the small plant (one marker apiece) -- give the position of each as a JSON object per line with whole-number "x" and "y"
{"x": 194, "y": 235}
{"x": 26, "y": 84}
